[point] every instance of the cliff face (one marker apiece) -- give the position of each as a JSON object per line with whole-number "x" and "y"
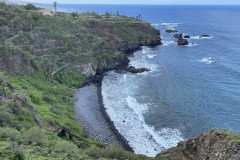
{"x": 211, "y": 145}
{"x": 128, "y": 35}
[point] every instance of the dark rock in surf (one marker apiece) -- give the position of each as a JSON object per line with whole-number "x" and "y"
{"x": 134, "y": 70}
{"x": 171, "y": 31}
{"x": 178, "y": 36}
{"x": 204, "y": 36}
{"x": 186, "y": 36}
{"x": 182, "y": 42}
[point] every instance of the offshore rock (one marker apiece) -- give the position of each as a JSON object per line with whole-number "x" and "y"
{"x": 171, "y": 31}
{"x": 204, "y": 36}
{"x": 182, "y": 42}
{"x": 178, "y": 36}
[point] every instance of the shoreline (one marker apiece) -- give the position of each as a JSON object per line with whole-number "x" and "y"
{"x": 91, "y": 114}
{"x": 96, "y": 80}
{"x": 121, "y": 139}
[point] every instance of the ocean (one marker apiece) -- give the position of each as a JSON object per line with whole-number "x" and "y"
{"x": 190, "y": 89}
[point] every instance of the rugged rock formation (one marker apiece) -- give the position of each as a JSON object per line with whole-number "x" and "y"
{"x": 134, "y": 70}
{"x": 180, "y": 41}
{"x": 178, "y": 36}
{"x": 211, "y": 145}
{"x": 171, "y": 31}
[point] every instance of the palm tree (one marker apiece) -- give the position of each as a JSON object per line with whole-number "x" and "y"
{"x": 55, "y": 6}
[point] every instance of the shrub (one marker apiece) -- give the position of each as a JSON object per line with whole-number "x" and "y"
{"x": 66, "y": 147}
{"x": 94, "y": 151}
{"x": 34, "y": 135}
{"x": 47, "y": 98}
{"x": 114, "y": 151}
{"x": 74, "y": 79}
{"x": 52, "y": 121}
{"x": 56, "y": 110}
{"x": 9, "y": 133}
{"x": 5, "y": 117}
{"x": 74, "y": 14}
{"x": 35, "y": 99}
{"x": 30, "y": 7}
{"x": 3, "y": 21}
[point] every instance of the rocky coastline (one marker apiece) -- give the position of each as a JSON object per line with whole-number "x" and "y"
{"x": 115, "y": 64}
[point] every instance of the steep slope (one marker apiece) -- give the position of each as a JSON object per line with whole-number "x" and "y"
{"x": 85, "y": 41}
{"x": 212, "y": 145}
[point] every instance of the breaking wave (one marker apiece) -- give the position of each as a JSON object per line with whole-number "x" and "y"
{"x": 127, "y": 115}
{"x": 207, "y": 60}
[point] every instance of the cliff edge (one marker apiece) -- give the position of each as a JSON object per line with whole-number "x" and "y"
{"x": 212, "y": 145}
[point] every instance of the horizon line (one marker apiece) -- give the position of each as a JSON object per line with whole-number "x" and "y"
{"x": 144, "y": 4}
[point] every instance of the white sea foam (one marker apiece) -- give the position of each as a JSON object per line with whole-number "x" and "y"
{"x": 206, "y": 60}
{"x": 192, "y": 44}
{"x": 141, "y": 59}
{"x": 166, "y": 24}
{"x": 198, "y": 37}
{"x": 127, "y": 115}
{"x": 151, "y": 56}
{"x": 167, "y": 43}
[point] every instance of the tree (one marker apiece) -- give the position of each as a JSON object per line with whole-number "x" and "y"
{"x": 30, "y": 7}
{"x": 55, "y": 6}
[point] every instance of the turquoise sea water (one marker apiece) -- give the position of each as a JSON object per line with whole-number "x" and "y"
{"x": 191, "y": 89}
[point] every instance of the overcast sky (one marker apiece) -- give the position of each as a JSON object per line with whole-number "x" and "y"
{"x": 216, "y": 2}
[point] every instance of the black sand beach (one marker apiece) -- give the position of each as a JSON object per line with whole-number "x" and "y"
{"x": 91, "y": 114}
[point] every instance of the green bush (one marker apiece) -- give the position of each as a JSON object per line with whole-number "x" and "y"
{"x": 35, "y": 99}
{"x": 49, "y": 99}
{"x": 30, "y": 7}
{"x": 66, "y": 147}
{"x": 9, "y": 133}
{"x": 94, "y": 151}
{"x": 5, "y": 118}
{"x": 3, "y": 21}
{"x": 34, "y": 135}
{"x": 56, "y": 110}
{"x": 74, "y": 79}
{"x": 115, "y": 151}
{"x": 53, "y": 122}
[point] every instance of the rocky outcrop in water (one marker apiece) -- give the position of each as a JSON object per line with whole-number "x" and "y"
{"x": 134, "y": 70}
{"x": 211, "y": 145}
{"x": 204, "y": 36}
{"x": 171, "y": 31}
{"x": 187, "y": 36}
{"x": 181, "y": 40}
